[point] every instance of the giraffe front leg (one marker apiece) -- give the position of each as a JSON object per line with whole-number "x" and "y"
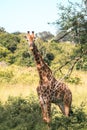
{"x": 46, "y": 109}
{"x": 45, "y": 106}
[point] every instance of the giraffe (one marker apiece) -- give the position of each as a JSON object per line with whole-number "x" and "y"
{"x": 49, "y": 90}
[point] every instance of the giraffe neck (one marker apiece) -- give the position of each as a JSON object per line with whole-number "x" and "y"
{"x": 44, "y": 71}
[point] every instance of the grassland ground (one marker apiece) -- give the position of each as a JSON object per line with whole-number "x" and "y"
{"x": 16, "y": 81}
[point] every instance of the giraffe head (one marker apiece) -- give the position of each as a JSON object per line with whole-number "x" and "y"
{"x": 30, "y": 39}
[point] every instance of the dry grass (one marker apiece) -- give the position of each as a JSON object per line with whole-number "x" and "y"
{"x": 16, "y": 90}
{"x": 25, "y": 81}
{"x": 22, "y": 82}
{"x": 79, "y": 91}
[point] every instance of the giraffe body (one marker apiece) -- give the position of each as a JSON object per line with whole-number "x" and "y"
{"x": 61, "y": 96}
{"x": 49, "y": 90}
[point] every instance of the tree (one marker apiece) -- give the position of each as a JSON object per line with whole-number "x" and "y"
{"x": 85, "y": 2}
{"x": 73, "y": 16}
{"x": 2, "y": 30}
{"x": 72, "y": 21}
{"x": 45, "y": 36}
{"x": 9, "y": 41}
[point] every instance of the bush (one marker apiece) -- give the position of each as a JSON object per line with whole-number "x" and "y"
{"x": 6, "y": 76}
{"x": 73, "y": 80}
{"x": 25, "y": 114}
{"x": 20, "y": 114}
{"x": 9, "y": 41}
{"x": 3, "y": 52}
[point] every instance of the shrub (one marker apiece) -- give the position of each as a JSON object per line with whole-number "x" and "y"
{"x": 5, "y": 76}
{"x": 25, "y": 114}
{"x": 77, "y": 121}
{"x": 3, "y": 53}
{"x": 19, "y": 113}
{"x": 73, "y": 80}
{"x": 9, "y": 41}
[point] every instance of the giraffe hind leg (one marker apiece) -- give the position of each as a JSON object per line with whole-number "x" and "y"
{"x": 64, "y": 109}
{"x": 67, "y": 109}
{"x": 61, "y": 106}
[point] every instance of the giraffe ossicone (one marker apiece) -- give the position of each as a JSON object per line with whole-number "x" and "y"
{"x": 50, "y": 90}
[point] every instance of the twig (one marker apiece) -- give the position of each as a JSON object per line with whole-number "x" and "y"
{"x": 71, "y": 68}
{"x": 59, "y": 69}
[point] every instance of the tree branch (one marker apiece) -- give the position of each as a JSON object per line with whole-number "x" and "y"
{"x": 67, "y": 62}
{"x": 76, "y": 59}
